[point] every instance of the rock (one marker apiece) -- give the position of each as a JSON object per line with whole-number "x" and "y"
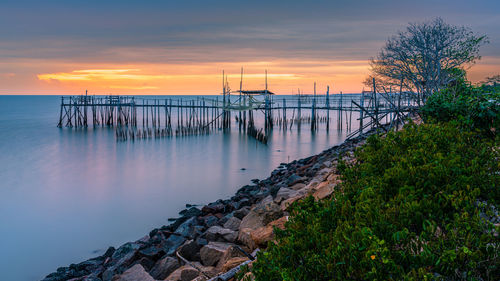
{"x": 172, "y": 243}
{"x": 241, "y": 213}
{"x": 212, "y": 252}
{"x": 135, "y": 273}
{"x": 323, "y": 191}
{"x": 293, "y": 179}
{"x": 265, "y": 234}
{"x": 120, "y": 260}
{"x": 334, "y": 178}
{"x": 267, "y": 210}
{"x": 283, "y": 194}
{"x": 233, "y": 262}
{"x": 285, "y": 204}
{"x": 183, "y": 273}
{"x": 297, "y": 186}
{"x": 152, "y": 252}
{"x": 245, "y": 238}
{"x": 213, "y": 208}
{"x": 252, "y": 221}
{"x": 210, "y": 220}
{"x": 224, "y": 219}
{"x": 190, "y": 250}
{"x": 164, "y": 267}
{"x": 191, "y": 212}
{"x": 231, "y": 252}
{"x": 187, "y": 228}
{"x": 217, "y": 233}
{"x": 146, "y": 263}
{"x": 233, "y": 223}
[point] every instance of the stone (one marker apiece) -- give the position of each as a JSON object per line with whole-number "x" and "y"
{"x": 324, "y": 191}
{"x": 334, "y": 178}
{"x": 241, "y": 213}
{"x": 293, "y": 179}
{"x": 212, "y": 252}
{"x": 145, "y": 262}
{"x": 183, "y": 273}
{"x": 172, "y": 243}
{"x": 164, "y": 267}
{"x": 135, "y": 273}
{"x": 231, "y": 252}
{"x": 265, "y": 234}
{"x": 186, "y": 229}
{"x": 283, "y": 194}
{"x": 297, "y": 186}
{"x": 120, "y": 260}
{"x": 153, "y": 252}
{"x": 213, "y": 208}
{"x": 252, "y": 221}
{"x": 233, "y": 262}
{"x": 224, "y": 219}
{"x": 190, "y": 250}
{"x": 210, "y": 220}
{"x": 191, "y": 212}
{"x": 233, "y": 223}
{"x": 267, "y": 210}
{"x": 286, "y": 204}
{"x": 244, "y": 237}
{"x": 217, "y": 233}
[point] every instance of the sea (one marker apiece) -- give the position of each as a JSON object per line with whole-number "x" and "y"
{"x": 68, "y": 194}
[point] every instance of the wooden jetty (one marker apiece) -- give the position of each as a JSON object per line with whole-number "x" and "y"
{"x": 255, "y": 111}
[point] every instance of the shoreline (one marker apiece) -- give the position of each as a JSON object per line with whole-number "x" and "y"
{"x": 206, "y": 242}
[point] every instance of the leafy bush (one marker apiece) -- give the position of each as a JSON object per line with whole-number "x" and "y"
{"x": 476, "y": 108}
{"x": 412, "y": 208}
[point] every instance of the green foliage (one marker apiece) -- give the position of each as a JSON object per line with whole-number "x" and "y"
{"x": 410, "y": 209}
{"x": 476, "y": 108}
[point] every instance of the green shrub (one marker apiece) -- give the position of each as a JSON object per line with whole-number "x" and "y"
{"x": 476, "y": 108}
{"x": 410, "y": 209}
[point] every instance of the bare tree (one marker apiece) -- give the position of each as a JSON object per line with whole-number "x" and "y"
{"x": 425, "y": 57}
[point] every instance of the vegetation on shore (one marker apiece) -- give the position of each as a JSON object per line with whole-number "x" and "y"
{"x": 418, "y": 204}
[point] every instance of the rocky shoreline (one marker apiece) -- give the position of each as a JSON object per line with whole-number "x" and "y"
{"x": 210, "y": 243}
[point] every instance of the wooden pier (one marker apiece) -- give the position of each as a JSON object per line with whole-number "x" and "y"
{"x": 256, "y": 112}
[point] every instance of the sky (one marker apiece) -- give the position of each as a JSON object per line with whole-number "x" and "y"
{"x": 182, "y": 47}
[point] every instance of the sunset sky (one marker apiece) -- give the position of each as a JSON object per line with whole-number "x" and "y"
{"x": 181, "y": 47}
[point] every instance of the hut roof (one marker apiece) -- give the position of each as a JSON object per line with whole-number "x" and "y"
{"x": 257, "y": 92}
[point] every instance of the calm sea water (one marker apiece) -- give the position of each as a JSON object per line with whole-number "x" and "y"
{"x": 66, "y": 195}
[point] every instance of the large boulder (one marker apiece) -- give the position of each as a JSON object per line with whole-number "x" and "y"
{"x": 183, "y": 273}
{"x": 164, "y": 267}
{"x": 230, "y": 253}
{"x": 190, "y": 250}
{"x": 244, "y": 237}
{"x": 241, "y": 213}
{"x": 324, "y": 190}
{"x": 120, "y": 260}
{"x": 265, "y": 234}
{"x": 217, "y": 233}
{"x": 233, "y": 223}
{"x": 283, "y": 194}
{"x": 135, "y": 273}
{"x": 213, "y": 252}
{"x": 267, "y": 209}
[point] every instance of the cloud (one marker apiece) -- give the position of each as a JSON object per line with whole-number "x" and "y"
{"x": 101, "y": 75}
